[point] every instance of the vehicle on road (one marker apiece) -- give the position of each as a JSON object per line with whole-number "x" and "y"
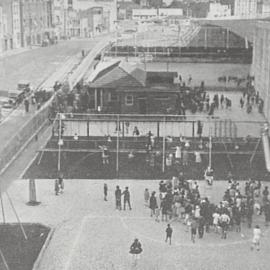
{"x": 16, "y": 97}
{"x": 5, "y": 103}
{"x": 24, "y": 85}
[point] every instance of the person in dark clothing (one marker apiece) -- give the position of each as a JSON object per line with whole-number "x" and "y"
{"x": 201, "y": 223}
{"x": 118, "y": 194}
{"x": 26, "y": 105}
{"x": 212, "y": 108}
{"x": 199, "y": 129}
{"x": 153, "y": 203}
{"x": 126, "y": 194}
{"x": 136, "y": 250}
{"x": 61, "y": 182}
{"x": 169, "y": 234}
{"x": 105, "y": 189}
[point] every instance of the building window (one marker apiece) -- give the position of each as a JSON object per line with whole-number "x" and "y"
{"x": 129, "y": 100}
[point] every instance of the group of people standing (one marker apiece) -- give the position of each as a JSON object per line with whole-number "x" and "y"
{"x": 180, "y": 200}
{"x": 251, "y": 101}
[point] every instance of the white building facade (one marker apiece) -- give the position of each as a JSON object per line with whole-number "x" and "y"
{"x": 165, "y": 12}
{"x": 144, "y": 14}
{"x": 245, "y": 8}
{"x": 219, "y": 10}
{"x": 261, "y": 63}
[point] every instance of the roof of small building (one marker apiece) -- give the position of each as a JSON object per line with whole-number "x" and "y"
{"x": 121, "y": 74}
{"x": 130, "y": 77}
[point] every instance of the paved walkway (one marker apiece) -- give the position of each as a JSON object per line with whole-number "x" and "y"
{"x": 91, "y": 234}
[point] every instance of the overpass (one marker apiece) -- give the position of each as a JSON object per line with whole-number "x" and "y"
{"x": 242, "y": 26}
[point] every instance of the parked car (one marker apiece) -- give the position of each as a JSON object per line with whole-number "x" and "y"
{"x": 24, "y": 85}
{"x": 16, "y": 97}
{"x": 5, "y": 103}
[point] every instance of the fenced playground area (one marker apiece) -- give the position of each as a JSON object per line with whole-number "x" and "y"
{"x": 144, "y": 147}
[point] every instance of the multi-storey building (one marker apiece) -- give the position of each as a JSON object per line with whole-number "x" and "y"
{"x": 245, "y": 8}
{"x": 16, "y": 24}
{"x": 261, "y": 63}
{"x": 37, "y": 21}
{"x": 1, "y": 26}
{"x": 108, "y": 11}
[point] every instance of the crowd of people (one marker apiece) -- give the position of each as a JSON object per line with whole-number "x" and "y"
{"x": 180, "y": 200}
{"x": 250, "y": 101}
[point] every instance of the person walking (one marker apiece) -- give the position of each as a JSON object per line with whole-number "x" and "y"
{"x": 126, "y": 194}
{"x": 26, "y": 105}
{"x": 256, "y": 238}
{"x": 153, "y": 203}
{"x": 105, "y": 189}
{"x": 169, "y": 232}
{"x": 118, "y": 198}
{"x": 224, "y": 223}
{"x": 136, "y": 250}
{"x": 194, "y": 227}
{"x": 60, "y": 183}
{"x": 201, "y": 223}
{"x": 146, "y": 197}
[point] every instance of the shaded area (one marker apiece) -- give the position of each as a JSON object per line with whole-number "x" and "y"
{"x": 19, "y": 253}
{"x": 79, "y": 165}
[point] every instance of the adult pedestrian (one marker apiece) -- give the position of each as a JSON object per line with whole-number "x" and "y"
{"x": 105, "y": 190}
{"x": 169, "y": 232}
{"x": 201, "y": 223}
{"x": 118, "y": 194}
{"x": 153, "y": 203}
{"x": 194, "y": 227}
{"x": 126, "y": 194}
{"x": 199, "y": 129}
{"x": 146, "y": 197}
{"x": 61, "y": 182}
{"x": 26, "y": 105}
{"x": 224, "y": 224}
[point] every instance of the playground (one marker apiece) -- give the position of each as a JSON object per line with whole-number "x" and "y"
{"x": 89, "y": 231}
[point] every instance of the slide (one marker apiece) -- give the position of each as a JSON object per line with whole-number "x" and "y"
{"x": 265, "y": 141}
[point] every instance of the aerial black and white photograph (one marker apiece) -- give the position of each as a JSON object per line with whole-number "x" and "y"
{"x": 134, "y": 134}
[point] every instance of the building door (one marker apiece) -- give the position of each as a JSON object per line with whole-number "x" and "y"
{"x": 142, "y": 106}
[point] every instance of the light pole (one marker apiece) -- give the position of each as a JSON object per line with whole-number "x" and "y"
{"x": 210, "y": 147}
{"x": 60, "y": 141}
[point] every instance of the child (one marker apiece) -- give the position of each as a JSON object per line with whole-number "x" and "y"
{"x": 146, "y": 197}
{"x": 135, "y": 250}
{"x": 56, "y": 187}
{"x": 105, "y": 192}
{"x": 169, "y": 234}
{"x": 157, "y": 214}
{"x": 256, "y": 238}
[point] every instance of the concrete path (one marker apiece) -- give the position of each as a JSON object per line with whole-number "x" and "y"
{"x": 91, "y": 234}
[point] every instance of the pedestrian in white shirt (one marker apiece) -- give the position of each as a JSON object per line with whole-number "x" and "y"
{"x": 256, "y": 238}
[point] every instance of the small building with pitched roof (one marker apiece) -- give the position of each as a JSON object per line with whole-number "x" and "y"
{"x": 123, "y": 87}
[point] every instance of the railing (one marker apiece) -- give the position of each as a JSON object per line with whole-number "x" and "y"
{"x": 14, "y": 145}
{"x": 88, "y": 125}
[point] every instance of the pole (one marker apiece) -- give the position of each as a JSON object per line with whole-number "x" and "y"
{"x": 164, "y": 146}
{"x": 4, "y": 260}
{"x": 117, "y": 147}
{"x": 2, "y": 206}
{"x": 59, "y": 144}
{"x": 17, "y": 217}
{"x": 210, "y": 147}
